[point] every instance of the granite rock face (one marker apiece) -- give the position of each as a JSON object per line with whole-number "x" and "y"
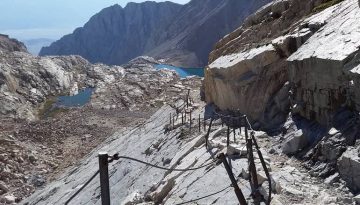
{"x": 323, "y": 72}
{"x": 181, "y": 34}
{"x": 248, "y": 68}
{"x": 26, "y": 81}
{"x": 316, "y": 57}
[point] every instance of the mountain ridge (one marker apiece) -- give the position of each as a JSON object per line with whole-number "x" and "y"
{"x": 183, "y": 35}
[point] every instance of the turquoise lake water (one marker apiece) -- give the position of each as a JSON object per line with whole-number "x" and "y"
{"x": 84, "y": 95}
{"x": 183, "y": 72}
{"x": 78, "y": 100}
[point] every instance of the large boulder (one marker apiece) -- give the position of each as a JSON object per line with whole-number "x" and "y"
{"x": 349, "y": 168}
{"x": 295, "y": 141}
{"x": 232, "y": 81}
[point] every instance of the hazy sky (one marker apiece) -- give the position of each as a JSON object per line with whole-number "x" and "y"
{"x": 30, "y": 19}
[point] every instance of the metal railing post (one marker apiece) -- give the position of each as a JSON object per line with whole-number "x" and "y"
{"x": 199, "y": 123}
{"x": 208, "y": 133}
{"x": 170, "y": 120}
{"x": 104, "y": 178}
{"x": 238, "y": 192}
{"x": 182, "y": 118}
{"x": 187, "y": 99}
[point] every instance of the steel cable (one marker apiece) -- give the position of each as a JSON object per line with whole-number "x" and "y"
{"x": 117, "y": 157}
{"x": 82, "y": 187}
{"x": 203, "y": 197}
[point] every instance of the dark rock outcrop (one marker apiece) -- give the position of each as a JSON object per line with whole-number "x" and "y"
{"x": 182, "y": 35}
{"x": 10, "y": 45}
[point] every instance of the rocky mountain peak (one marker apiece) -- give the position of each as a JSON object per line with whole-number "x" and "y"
{"x": 164, "y": 30}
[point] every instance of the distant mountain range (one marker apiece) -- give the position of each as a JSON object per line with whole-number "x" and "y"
{"x": 183, "y": 35}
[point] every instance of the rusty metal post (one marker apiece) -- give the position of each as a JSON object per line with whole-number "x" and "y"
{"x": 208, "y": 133}
{"x": 104, "y": 178}
{"x": 252, "y": 168}
{"x": 237, "y": 190}
{"x": 268, "y": 201}
{"x": 234, "y": 130}
{"x": 199, "y": 123}
{"x": 182, "y": 118}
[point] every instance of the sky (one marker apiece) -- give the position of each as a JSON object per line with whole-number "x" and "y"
{"x": 33, "y": 19}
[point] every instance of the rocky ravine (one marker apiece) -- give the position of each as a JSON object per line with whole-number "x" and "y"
{"x": 162, "y": 30}
{"x": 38, "y": 144}
{"x": 304, "y": 62}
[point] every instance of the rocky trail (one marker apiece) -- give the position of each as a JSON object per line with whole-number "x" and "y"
{"x": 178, "y": 147}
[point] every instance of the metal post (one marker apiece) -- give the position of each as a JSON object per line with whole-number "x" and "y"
{"x": 104, "y": 178}
{"x": 237, "y": 190}
{"x": 170, "y": 120}
{"x": 264, "y": 167}
{"x": 208, "y": 132}
{"x": 185, "y": 116}
{"x": 182, "y": 118}
{"x": 234, "y": 130}
{"x": 252, "y": 168}
{"x": 199, "y": 124}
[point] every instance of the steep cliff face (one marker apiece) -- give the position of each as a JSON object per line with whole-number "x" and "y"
{"x": 116, "y": 35}
{"x": 248, "y": 68}
{"x": 198, "y": 26}
{"x": 183, "y": 35}
{"x": 317, "y": 55}
{"x": 323, "y": 70}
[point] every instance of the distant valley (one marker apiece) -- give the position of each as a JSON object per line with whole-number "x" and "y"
{"x": 34, "y": 45}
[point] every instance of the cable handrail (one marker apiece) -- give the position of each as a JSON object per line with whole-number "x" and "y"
{"x": 82, "y": 187}
{"x": 117, "y": 157}
{"x": 203, "y": 197}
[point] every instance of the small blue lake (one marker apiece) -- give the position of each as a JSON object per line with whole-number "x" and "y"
{"x": 78, "y": 100}
{"x": 183, "y": 72}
